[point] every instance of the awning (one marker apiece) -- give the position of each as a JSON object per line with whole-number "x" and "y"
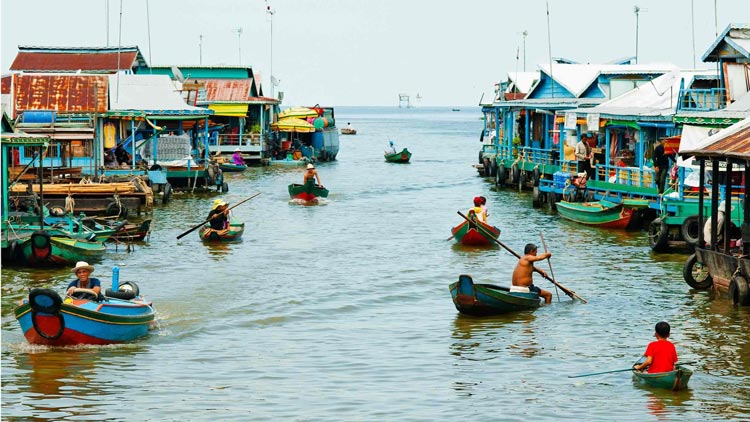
{"x": 231, "y": 110}
{"x": 292, "y": 124}
{"x": 692, "y": 136}
{"x": 298, "y": 112}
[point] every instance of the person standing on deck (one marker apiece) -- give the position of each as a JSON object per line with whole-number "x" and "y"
{"x": 391, "y": 148}
{"x": 311, "y": 174}
{"x": 237, "y": 157}
{"x": 583, "y": 155}
{"x": 661, "y": 165}
{"x": 660, "y": 354}
{"x": 522, "y": 274}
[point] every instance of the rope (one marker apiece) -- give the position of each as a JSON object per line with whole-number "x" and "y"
{"x": 70, "y": 204}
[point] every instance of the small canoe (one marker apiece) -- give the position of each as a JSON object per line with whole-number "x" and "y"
{"x": 289, "y": 162}
{"x": 489, "y": 299}
{"x": 118, "y": 316}
{"x": 232, "y": 168}
{"x": 307, "y": 192}
{"x": 345, "y": 131}
{"x": 475, "y": 233}
{"x": 236, "y": 228}
{"x": 49, "y": 248}
{"x": 604, "y": 214}
{"x": 673, "y": 380}
{"x": 399, "y": 157}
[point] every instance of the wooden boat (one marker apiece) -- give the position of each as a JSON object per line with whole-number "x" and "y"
{"x": 345, "y": 131}
{"x": 236, "y": 228}
{"x": 603, "y": 213}
{"x": 289, "y": 162}
{"x": 307, "y": 192}
{"x": 489, "y": 299}
{"x": 120, "y": 315}
{"x": 232, "y": 168}
{"x": 45, "y": 247}
{"x": 673, "y": 380}
{"x": 475, "y": 233}
{"x": 124, "y": 231}
{"x": 399, "y": 157}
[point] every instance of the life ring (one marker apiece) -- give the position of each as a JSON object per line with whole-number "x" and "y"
{"x": 41, "y": 245}
{"x": 690, "y": 230}
{"x": 167, "y": 193}
{"x": 658, "y": 235}
{"x": 486, "y": 167}
{"x": 738, "y": 290}
{"x": 695, "y": 275}
{"x": 44, "y": 300}
{"x": 493, "y": 168}
{"x": 502, "y": 175}
{"x": 537, "y": 176}
{"x": 114, "y": 210}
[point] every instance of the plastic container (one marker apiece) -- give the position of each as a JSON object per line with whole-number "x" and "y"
{"x": 39, "y": 116}
{"x": 317, "y": 140}
{"x": 286, "y": 145}
{"x": 115, "y": 278}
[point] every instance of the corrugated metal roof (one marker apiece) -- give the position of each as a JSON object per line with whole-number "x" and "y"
{"x": 6, "y": 84}
{"x": 152, "y": 94}
{"x": 227, "y": 89}
{"x": 732, "y": 142}
{"x": 62, "y": 93}
{"x": 73, "y": 59}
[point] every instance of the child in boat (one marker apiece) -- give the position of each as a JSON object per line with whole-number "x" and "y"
{"x": 660, "y": 354}
{"x": 479, "y": 210}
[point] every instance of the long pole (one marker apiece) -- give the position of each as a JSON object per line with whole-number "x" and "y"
{"x": 106, "y": 19}
{"x": 119, "y": 45}
{"x": 200, "y": 49}
{"x": 549, "y": 49}
{"x": 239, "y": 43}
{"x": 271, "y": 78}
{"x": 148, "y": 31}
{"x": 549, "y": 261}
{"x": 692, "y": 24}
{"x": 525, "y": 33}
{"x": 636, "y": 9}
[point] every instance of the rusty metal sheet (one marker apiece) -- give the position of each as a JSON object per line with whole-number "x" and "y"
{"x": 62, "y": 93}
{"x": 6, "y": 84}
{"x": 227, "y": 89}
{"x": 736, "y": 145}
{"x": 29, "y": 61}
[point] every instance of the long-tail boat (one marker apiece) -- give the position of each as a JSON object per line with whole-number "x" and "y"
{"x": 673, "y": 380}
{"x": 119, "y": 315}
{"x": 603, "y": 213}
{"x": 488, "y": 299}
{"x": 308, "y": 191}
{"x": 398, "y": 157}
{"x": 475, "y": 233}
{"x": 234, "y": 232}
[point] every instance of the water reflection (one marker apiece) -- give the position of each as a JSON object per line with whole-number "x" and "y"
{"x": 483, "y": 338}
{"x": 663, "y": 403}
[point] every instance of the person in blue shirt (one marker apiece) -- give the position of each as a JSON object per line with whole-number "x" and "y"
{"x": 83, "y": 279}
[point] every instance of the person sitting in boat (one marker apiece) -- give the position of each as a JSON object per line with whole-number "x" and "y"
{"x": 391, "y": 148}
{"x": 311, "y": 174}
{"x": 83, "y": 279}
{"x": 218, "y": 217}
{"x": 484, "y": 207}
{"x": 237, "y": 157}
{"x": 660, "y": 354}
{"x": 349, "y": 126}
{"x": 480, "y": 209}
{"x": 522, "y": 280}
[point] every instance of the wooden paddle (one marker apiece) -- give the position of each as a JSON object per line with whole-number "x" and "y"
{"x": 567, "y": 291}
{"x": 549, "y": 261}
{"x": 206, "y": 221}
{"x": 622, "y": 370}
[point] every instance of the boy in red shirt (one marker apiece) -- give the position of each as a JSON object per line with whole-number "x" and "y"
{"x": 660, "y": 354}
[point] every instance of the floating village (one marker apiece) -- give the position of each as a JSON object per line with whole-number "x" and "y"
{"x": 94, "y": 137}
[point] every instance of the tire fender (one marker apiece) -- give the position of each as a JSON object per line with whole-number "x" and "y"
{"x": 658, "y": 235}
{"x": 690, "y": 230}
{"x": 502, "y": 175}
{"x": 738, "y": 290}
{"x": 687, "y": 274}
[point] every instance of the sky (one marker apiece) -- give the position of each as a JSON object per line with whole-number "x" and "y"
{"x": 366, "y": 52}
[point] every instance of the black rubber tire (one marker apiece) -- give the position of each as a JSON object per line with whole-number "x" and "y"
{"x": 536, "y": 202}
{"x": 481, "y": 157}
{"x": 156, "y": 187}
{"x": 47, "y": 308}
{"x": 537, "y": 176}
{"x": 124, "y": 295}
{"x": 502, "y": 175}
{"x": 493, "y": 168}
{"x": 658, "y": 235}
{"x": 552, "y": 200}
{"x": 57, "y": 211}
{"x": 41, "y": 242}
{"x": 224, "y": 187}
{"x": 486, "y": 167}
{"x": 165, "y": 197}
{"x": 689, "y": 275}
{"x": 113, "y": 210}
{"x": 738, "y": 290}
{"x": 129, "y": 286}
{"x": 690, "y": 230}
{"x": 515, "y": 175}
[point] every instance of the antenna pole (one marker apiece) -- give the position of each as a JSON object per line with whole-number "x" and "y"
{"x": 200, "y": 49}
{"x": 692, "y": 24}
{"x": 270, "y": 13}
{"x": 239, "y": 43}
{"x": 525, "y": 33}
{"x": 636, "y": 10}
{"x": 549, "y": 49}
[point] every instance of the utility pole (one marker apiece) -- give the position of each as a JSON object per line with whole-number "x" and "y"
{"x": 692, "y": 24}
{"x": 200, "y": 49}
{"x": 271, "y": 79}
{"x": 525, "y": 33}
{"x": 637, "y": 11}
{"x": 239, "y": 43}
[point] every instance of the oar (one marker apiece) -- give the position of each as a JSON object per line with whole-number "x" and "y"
{"x": 623, "y": 370}
{"x": 549, "y": 261}
{"x": 567, "y": 291}
{"x": 206, "y": 221}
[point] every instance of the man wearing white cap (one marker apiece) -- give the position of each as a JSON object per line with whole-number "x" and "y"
{"x": 310, "y": 174}
{"x": 84, "y": 280}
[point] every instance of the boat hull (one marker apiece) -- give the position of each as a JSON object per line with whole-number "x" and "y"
{"x": 400, "y": 157}
{"x": 307, "y": 192}
{"x": 232, "y": 168}
{"x": 59, "y": 250}
{"x": 674, "y": 380}
{"x": 488, "y": 299}
{"x": 468, "y": 233}
{"x": 602, "y": 214}
{"x": 76, "y": 321}
{"x": 236, "y": 228}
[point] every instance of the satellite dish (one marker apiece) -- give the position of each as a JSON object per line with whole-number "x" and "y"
{"x": 177, "y": 74}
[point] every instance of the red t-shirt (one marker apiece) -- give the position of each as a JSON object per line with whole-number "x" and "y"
{"x": 663, "y": 356}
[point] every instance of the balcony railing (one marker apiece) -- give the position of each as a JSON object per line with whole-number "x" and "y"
{"x": 703, "y": 99}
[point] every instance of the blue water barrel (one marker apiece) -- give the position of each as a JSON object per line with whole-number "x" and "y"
{"x": 39, "y": 116}
{"x": 306, "y": 151}
{"x": 317, "y": 140}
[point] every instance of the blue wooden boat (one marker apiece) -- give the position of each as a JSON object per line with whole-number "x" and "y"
{"x": 489, "y": 299}
{"x": 232, "y": 168}
{"x": 118, "y": 316}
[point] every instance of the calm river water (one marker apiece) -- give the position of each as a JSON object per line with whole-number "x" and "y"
{"x": 341, "y": 311}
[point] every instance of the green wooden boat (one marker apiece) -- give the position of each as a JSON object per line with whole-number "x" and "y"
{"x": 236, "y": 228}
{"x": 488, "y": 299}
{"x": 232, "y": 168}
{"x": 399, "y": 157}
{"x": 603, "y": 213}
{"x": 45, "y": 248}
{"x": 307, "y": 192}
{"x": 673, "y": 380}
